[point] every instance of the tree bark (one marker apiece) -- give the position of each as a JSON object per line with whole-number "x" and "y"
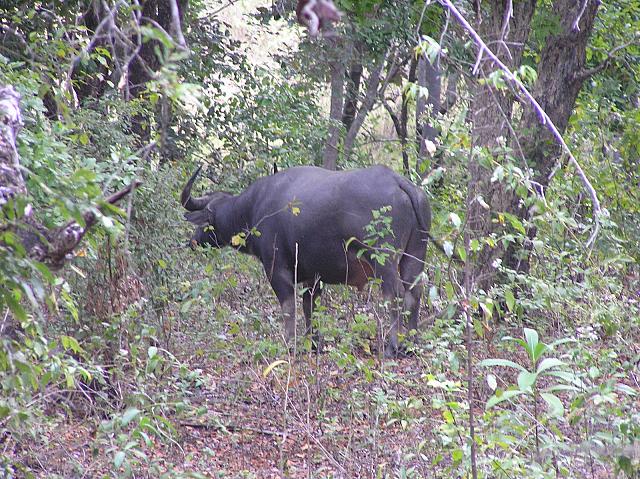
{"x": 352, "y": 93}
{"x": 560, "y": 78}
{"x": 330, "y": 159}
{"x": 559, "y": 82}
{"x": 374, "y": 81}
{"x": 49, "y": 246}
{"x": 429, "y": 77}
{"x": 491, "y": 113}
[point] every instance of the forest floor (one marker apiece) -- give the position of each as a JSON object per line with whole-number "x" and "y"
{"x": 345, "y": 413}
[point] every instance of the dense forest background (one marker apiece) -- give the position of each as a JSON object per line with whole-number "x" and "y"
{"x": 125, "y": 353}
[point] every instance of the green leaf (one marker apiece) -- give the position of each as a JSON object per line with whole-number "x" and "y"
{"x": 556, "y": 409}
{"x": 118, "y": 459}
{"x": 549, "y": 363}
{"x": 152, "y": 352}
{"x": 541, "y": 348}
{"x": 531, "y": 338}
{"x": 504, "y": 396}
{"x": 69, "y": 342}
{"x": 515, "y": 222}
{"x": 562, "y": 387}
{"x": 526, "y": 380}
{"x": 128, "y": 416}
{"x": 510, "y": 299}
{"x": 564, "y": 375}
{"x": 457, "y": 455}
{"x": 501, "y": 362}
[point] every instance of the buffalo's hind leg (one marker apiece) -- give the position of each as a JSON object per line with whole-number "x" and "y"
{"x": 410, "y": 270}
{"x": 393, "y": 293}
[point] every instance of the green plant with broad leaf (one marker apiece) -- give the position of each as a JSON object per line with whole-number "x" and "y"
{"x": 541, "y": 365}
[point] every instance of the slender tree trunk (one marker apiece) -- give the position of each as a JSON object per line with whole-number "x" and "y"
{"x": 400, "y": 122}
{"x": 427, "y": 108}
{"x": 451, "y": 93}
{"x": 404, "y": 116}
{"x": 373, "y": 82}
{"x": 147, "y": 61}
{"x": 330, "y": 159}
{"x": 352, "y": 93}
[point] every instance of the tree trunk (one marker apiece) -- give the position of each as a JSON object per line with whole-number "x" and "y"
{"x": 490, "y": 113}
{"x": 146, "y": 62}
{"x": 404, "y": 116}
{"x": 330, "y": 159}
{"x": 352, "y": 93}
{"x": 560, "y": 78}
{"x": 427, "y": 109}
{"x": 373, "y": 82}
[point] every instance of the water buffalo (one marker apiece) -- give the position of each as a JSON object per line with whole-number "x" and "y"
{"x": 307, "y": 224}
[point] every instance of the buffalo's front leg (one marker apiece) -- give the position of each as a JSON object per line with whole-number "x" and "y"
{"x": 283, "y": 286}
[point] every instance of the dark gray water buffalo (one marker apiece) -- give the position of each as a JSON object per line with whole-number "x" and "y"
{"x": 307, "y": 224}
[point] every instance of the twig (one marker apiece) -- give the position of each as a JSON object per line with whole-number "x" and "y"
{"x": 224, "y": 7}
{"x": 508, "y": 15}
{"x": 575, "y": 26}
{"x": 230, "y": 427}
{"x": 177, "y": 29}
{"x": 542, "y": 115}
{"x": 106, "y": 21}
{"x": 592, "y": 71}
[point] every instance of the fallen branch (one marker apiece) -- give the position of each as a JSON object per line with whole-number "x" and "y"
{"x": 542, "y": 115}
{"x": 230, "y": 427}
{"x": 50, "y": 246}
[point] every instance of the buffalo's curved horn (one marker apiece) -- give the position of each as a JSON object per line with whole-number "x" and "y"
{"x": 192, "y": 204}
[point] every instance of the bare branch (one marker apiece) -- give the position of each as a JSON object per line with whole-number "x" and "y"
{"x": 575, "y": 26}
{"x": 583, "y": 75}
{"x": 176, "y": 25}
{"x": 508, "y": 15}
{"x": 542, "y": 116}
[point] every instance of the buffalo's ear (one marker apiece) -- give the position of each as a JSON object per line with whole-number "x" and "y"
{"x": 198, "y": 217}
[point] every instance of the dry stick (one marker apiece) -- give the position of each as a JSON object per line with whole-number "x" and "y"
{"x": 469, "y": 345}
{"x": 542, "y": 115}
{"x": 508, "y": 15}
{"x": 295, "y": 355}
{"x": 229, "y": 427}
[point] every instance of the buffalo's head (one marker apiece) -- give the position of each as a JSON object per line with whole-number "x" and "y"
{"x": 201, "y": 212}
